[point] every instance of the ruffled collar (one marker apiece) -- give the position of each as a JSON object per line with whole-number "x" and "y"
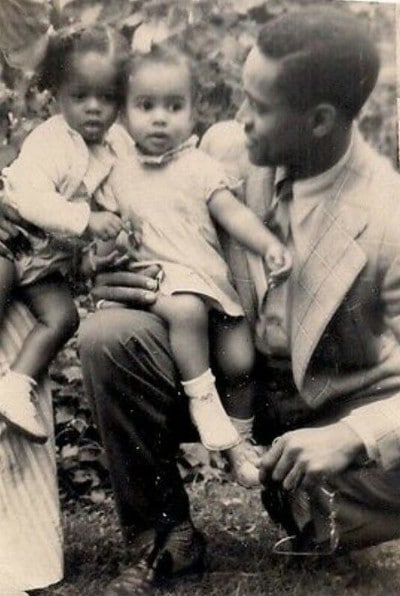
{"x": 159, "y": 160}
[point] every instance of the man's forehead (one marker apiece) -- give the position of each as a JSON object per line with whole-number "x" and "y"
{"x": 260, "y": 74}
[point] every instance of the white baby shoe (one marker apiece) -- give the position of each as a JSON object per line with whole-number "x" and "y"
{"x": 215, "y": 428}
{"x": 17, "y": 406}
{"x": 244, "y": 459}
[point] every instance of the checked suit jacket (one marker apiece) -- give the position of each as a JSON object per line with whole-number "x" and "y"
{"x": 345, "y": 291}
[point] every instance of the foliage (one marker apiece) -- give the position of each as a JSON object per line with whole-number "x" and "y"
{"x": 218, "y": 35}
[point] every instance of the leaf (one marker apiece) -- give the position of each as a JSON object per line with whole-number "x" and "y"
{"x": 97, "y": 495}
{"x": 64, "y": 414}
{"x": 89, "y": 453}
{"x": 61, "y": 4}
{"x": 69, "y": 451}
{"x": 73, "y": 373}
{"x": 90, "y": 15}
{"x": 195, "y": 454}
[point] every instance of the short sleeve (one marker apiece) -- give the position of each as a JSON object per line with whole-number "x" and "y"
{"x": 215, "y": 177}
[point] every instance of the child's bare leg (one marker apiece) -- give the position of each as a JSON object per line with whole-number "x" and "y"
{"x": 187, "y": 318}
{"x": 234, "y": 352}
{"x": 56, "y": 320}
{"x": 8, "y": 279}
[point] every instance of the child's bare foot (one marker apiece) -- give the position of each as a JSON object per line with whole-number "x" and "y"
{"x": 244, "y": 459}
{"x": 17, "y": 407}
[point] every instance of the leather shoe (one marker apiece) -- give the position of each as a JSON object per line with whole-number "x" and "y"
{"x": 180, "y": 553}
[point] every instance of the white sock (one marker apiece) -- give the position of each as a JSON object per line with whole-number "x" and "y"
{"x": 200, "y": 385}
{"x": 244, "y": 426}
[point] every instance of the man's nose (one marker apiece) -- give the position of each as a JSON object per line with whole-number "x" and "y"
{"x": 243, "y": 115}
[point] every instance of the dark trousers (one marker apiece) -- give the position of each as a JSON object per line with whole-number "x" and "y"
{"x": 133, "y": 385}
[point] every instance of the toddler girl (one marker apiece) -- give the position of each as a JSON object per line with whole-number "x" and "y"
{"x": 174, "y": 192}
{"x": 52, "y": 185}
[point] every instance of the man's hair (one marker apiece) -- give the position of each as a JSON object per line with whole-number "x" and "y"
{"x": 168, "y": 53}
{"x": 71, "y": 41}
{"x": 326, "y": 55}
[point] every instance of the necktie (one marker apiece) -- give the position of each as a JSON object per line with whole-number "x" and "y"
{"x": 271, "y": 328}
{"x": 278, "y": 220}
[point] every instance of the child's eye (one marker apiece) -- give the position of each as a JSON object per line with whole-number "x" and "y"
{"x": 109, "y": 97}
{"x": 78, "y": 96}
{"x": 145, "y": 104}
{"x": 175, "y": 106}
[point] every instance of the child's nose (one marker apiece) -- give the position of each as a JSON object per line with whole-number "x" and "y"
{"x": 92, "y": 104}
{"x": 159, "y": 115}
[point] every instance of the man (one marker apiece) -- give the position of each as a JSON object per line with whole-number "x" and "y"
{"x": 328, "y": 339}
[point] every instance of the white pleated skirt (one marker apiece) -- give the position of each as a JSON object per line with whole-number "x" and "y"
{"x": 31, "y": 554}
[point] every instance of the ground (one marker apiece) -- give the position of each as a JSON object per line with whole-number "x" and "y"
{"x": 240, "y": 538}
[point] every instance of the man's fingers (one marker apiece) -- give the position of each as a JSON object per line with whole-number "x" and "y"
{"x": 131, "y": 296}
{"x": 283, "y": 465}
{"x": 270, "y": 459}
{"x": 126, "y": 279}
{"x": 11, "y": 214}
{"x": 294, "y": 478}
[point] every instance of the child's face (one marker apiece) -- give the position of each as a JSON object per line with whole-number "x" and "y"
{"x": 159, "y": 107}
{"x": 88, "y": 97}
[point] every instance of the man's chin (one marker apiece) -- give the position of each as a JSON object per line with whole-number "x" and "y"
{"x": 256, "y": 158}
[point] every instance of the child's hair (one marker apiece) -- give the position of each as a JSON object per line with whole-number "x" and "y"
{"x": 167, "y": 53}
{"x": 78, "y": 40}
{"x": 326, "y": 55}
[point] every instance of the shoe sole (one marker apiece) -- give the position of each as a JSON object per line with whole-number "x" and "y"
{"x": 41, "y": 440}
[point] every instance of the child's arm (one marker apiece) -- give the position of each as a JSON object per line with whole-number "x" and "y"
{"x": 32, "y": 189}
{"x": 241, "y": 223}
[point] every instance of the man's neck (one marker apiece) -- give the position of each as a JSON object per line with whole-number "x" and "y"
{"x": 322, "y": 156}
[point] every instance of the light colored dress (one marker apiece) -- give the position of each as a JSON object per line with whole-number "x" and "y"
{"x": 31, "y": 554}
{"x": 167, "y": 197}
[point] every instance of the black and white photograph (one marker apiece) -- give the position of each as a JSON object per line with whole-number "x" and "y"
{"x": 199, "y": 298}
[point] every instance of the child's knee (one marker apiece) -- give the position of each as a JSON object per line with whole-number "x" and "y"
{"x": 189, "y": 310}
{"x": 64, "y": 321}
{"x": 236, "y": 361}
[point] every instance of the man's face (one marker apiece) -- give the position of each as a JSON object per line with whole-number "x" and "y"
{"x": 277, "y": 135}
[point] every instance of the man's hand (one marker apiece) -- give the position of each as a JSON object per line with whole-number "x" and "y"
{"x": 306, "y": 456}
{"x": 133, "y": 288}
{"x": 104, "y": 225}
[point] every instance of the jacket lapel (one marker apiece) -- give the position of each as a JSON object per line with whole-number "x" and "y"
{"x": 321, "y": 281}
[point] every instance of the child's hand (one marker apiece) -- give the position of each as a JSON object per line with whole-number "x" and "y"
{"x": 104, "y": 225}
{"x": 279, "y": 262}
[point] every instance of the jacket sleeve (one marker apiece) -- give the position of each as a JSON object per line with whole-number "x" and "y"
{"x": 31, "y": 188}
{"x": 378, "y": 423}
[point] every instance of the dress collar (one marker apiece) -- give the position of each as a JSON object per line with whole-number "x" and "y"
{"x": 158, "y": 160}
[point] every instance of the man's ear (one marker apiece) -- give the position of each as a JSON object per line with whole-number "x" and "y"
{"x": 324, "y": 118}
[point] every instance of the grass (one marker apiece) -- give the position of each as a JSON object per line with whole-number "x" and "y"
{"x": 240, "y": 537}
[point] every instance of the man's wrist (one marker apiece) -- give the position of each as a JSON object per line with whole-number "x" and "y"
{"x": 357, "y": 448}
